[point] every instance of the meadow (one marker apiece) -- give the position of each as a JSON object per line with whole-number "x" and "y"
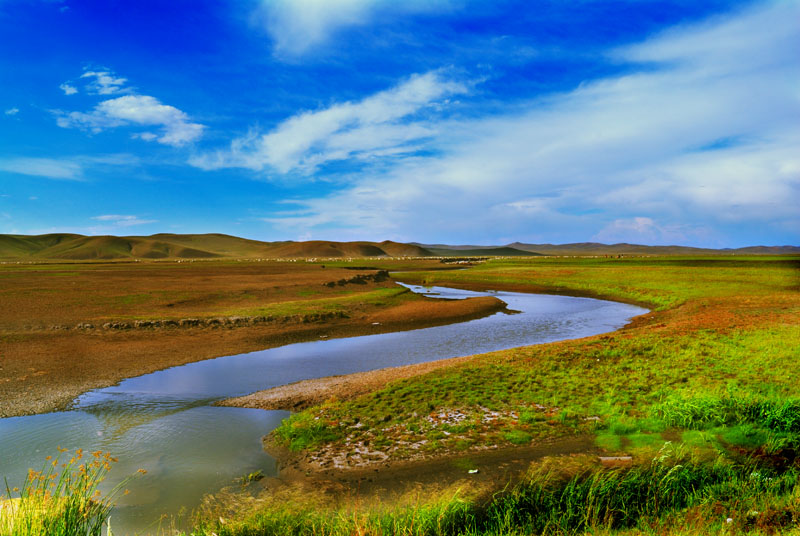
{"x": 686, "y": 421}
{"x": 698, "y": 399}
{"x": 66, "y": 328}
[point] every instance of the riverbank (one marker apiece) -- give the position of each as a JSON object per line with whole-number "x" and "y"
{"x": 710, "y": 375}
{"x": 44, "y": 369}
{"x": 385, "y": 482}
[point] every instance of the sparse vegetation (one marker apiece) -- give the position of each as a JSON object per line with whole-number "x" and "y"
{"x": 63, "y": 499}
{"x": 701, "y": 396}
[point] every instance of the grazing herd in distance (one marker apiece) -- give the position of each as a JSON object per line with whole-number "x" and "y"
{"x": 75, "y": 247}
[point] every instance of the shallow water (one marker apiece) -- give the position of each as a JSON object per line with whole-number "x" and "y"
{"x": 163, "y": 422}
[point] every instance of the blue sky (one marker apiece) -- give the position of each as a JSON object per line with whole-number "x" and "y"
{"x": 432, "y": 121}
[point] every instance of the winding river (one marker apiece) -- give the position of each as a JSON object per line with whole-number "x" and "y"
{"x": 164, "y": 422}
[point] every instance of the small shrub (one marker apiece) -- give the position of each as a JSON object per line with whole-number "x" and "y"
{"x": 302, "y": 431}
{"x": 518, "y": 437}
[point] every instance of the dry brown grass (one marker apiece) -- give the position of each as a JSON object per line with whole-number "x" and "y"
{"x": 42, "y": 369}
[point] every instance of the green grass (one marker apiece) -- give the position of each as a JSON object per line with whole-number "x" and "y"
{"x": 635, "y": 385}
{"x": 302, "y": 431}
{"x": 714, "y": 369}
{"x": 63, "y": 499}
{"x": 660, "y": 283}
{"x": 561, "y": 497}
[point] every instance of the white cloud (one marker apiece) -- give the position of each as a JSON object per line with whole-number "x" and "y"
{"x": 105, "y": 224}
{"x": 127, "y": 110}
{"x": 643, "y": 230}
{"x": 12, "y": 111}
{"x": 51, "y": 168}
{"x": 68, "y": 89}
{"x": 70, "y": 168}
{"x": 146, "y": 136}
{"x": 177, "y": 128}
{"x": 102, "y": 83}
{"x": 703, "y": 136}
{"x": 376, "y": 126}
{"x": 299, "y": 26}
{"x": 120, "y": 220}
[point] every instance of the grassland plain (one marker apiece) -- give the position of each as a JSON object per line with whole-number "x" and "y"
{"x": 702, "y": 394}
{"x": 68, "y": 328}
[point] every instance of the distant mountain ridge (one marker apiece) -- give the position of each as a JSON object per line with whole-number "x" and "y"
{"x": 478, "y": 251}
{"x": 596, "y": 248}
{"x": 64, "y": 246}
{"x": 75, "y": 247}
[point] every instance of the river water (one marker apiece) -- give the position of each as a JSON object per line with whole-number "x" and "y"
{"x": 164, "y": 422}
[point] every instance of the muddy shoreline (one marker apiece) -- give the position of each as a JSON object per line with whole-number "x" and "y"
{"x": 490, "y": 469}
{"x": 44, "y": 371}
{"x": 442, "y": 281}
{"x": 306, "y": 393}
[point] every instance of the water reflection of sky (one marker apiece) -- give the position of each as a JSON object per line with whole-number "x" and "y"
{"x": 162, "y": 422}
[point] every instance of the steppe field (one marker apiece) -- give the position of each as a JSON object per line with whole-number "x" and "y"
{"x": 68, "y": 328}
{"x": 685, "y": 421}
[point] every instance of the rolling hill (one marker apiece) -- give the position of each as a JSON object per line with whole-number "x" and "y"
{"x": 595, "y": 248}
{"x": 501, "y": 251}
{"x": 75, "y": 247}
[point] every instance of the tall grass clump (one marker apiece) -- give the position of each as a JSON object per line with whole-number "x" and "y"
{"x": 779, "y": 415}
{"x": 62, "y": 499}
{"x": 302, "y": 431}
{"x": 440, "y": 518}
{"x": 640, "y": 495}
{"x": 560, "y": 498}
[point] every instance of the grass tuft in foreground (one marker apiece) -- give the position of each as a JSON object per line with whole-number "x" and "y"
{"x": 63, "y": 499}
{"x": 566, "y": 496}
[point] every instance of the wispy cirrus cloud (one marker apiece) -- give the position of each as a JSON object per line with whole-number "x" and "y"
{"x": 67, "y": 168}
{"x": 120, "y": 220}
{"x": 382, "y": 125}
{"x": 105, "y": 224}
{"x": 644, "y": 230}
{"x": 300, "y": 26}
{"x": 12, "y": 111}
{"x": 675, "y": 146}
{"x": 51, "y": 168}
